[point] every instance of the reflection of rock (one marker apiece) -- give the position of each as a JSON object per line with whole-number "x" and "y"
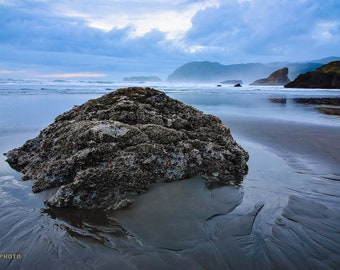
{"x": 279, "y": 77}
{"x": 103, "y": 153}
{"x": 168, "y": 218}
{"x": 327, "y": 76}
{"x": 278, "y": 100}
{"x": 329, "y": 110}
{"x": 329, "y": 106}
{"x": 319, "y": 101}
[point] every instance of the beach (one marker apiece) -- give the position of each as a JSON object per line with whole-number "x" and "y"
{"x": 305, "y": 141}
{"x": 284, "y": 214}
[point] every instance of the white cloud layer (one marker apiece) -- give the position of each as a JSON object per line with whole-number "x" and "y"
{"x": 108, "y": 36}
{"x": 170, "y": 17}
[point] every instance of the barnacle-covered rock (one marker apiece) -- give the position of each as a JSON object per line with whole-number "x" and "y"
{"x": 110, "y": 149}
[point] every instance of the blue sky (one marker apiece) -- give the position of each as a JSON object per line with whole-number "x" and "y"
{"x": 114, "y": 38}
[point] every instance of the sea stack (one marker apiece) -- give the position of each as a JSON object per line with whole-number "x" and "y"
{"x": 279, "y": 77}
{"x": 107, "y": 151}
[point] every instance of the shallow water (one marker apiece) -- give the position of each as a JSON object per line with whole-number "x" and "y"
{"x": 284, "y": 215}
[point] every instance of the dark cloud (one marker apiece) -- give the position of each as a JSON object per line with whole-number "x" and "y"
{"x": 68, "y": 43}
{"x": 27, "y": 31}
{"x": 271, "y": 29}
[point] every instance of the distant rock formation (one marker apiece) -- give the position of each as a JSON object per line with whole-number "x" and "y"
{"x": 278, "y": 77}
{"x": 327, "y": 77}
{"x": 142, "y": 79}
{"x": 237, "y": 85}
{"x": 110, "y": 149}
{"x": 212, "y": 72}
{"x": 205, "y": 71}
{"x": 232, "y": 82}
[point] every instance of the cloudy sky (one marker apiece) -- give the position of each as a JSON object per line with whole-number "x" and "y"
{"x": 116, "y": 38}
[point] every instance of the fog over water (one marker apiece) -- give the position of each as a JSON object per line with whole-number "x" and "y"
{"x": 284, "y": 215}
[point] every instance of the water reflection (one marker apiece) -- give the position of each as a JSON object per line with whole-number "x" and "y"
{"x": 173, "y": 216}
{"x": 78, "y": 217}
{"x": 278, "y": 100}
{"x": 283, "y": 215}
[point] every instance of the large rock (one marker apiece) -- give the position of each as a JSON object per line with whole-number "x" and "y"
{"x": 279, "y": 77}
{"x": 103, "y": 153}
{"x": 327, "y": 77}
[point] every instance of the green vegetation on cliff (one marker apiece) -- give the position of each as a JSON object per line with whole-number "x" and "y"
{"x": 330, "y": 67}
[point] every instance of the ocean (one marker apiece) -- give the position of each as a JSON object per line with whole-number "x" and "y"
{"x": 284, "y": 215}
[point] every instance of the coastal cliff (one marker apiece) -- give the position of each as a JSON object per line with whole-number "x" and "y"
{"x": 327, "y": 77}
{"x": 278, "y": 77}
{"x": 205, "y": 71}
{"x": 107, "y": 151}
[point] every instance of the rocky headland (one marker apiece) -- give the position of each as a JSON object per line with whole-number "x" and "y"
{"x": 325, "y": 77}
{"x": 205, "y": 71}
{"x": 278, "y": 77}
{"x": 107, "y": 151}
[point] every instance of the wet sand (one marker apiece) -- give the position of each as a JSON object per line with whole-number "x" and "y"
{"x": 315, "y": 144}
{"x": 284, "y": 215}
{"x": 304, "y": 234}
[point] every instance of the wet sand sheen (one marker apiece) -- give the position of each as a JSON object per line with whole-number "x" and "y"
{"x": 174, "y": 215}
{"x": 315, "y": 143}
{"x": 283, "y": 216}
{"x": 183, "y": 224}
